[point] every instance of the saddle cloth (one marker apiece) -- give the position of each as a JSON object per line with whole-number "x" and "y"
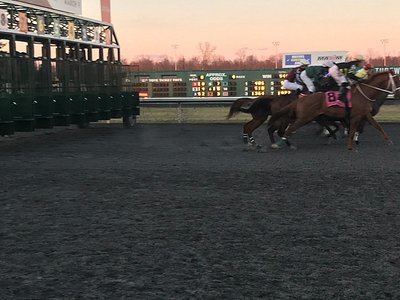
{"x": 332, "y": 99}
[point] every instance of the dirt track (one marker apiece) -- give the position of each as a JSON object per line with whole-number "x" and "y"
{"x": 182, "y": 212}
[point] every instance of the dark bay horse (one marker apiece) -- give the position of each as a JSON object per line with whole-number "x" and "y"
{"x": 363, "y": 94}
{"x": 260, "y": 109}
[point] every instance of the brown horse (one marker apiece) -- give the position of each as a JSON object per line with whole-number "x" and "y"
{"x": 376, "y": 106}
{"x": 363, "y": 93}
{"x": 260, "y": 109}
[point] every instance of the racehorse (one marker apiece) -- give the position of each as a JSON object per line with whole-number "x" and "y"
{"x": 362, "y": 94}
{"x": 376, "y": 105}
{"x": 260, "y": 109}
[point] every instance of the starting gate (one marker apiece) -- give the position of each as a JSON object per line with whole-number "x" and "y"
{"x": 59, "y": 69}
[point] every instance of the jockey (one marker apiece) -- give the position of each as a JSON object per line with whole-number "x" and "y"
{"x": 313, "y": 74}
{"x": 293, "y": 81}
{"x": 349, "y": 68}
{"x": 364, "y": 72}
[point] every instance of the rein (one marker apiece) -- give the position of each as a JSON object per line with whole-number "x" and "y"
{"x": 391, "y": 85}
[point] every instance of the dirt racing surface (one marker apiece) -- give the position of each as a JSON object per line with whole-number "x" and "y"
{"x": 180, "y": 211}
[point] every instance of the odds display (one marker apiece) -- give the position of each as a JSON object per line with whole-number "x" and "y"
{"x": 203, "y": 84}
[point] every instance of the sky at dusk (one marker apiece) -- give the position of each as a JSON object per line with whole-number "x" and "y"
{"x": 153, "y": 27}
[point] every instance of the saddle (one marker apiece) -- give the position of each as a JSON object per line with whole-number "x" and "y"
{"x": 332, "y": 99}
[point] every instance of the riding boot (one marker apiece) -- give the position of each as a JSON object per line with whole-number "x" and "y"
{"x": 343, "y": 96}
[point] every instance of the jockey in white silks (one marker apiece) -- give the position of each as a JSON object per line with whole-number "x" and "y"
{"x": 293, "y": 81}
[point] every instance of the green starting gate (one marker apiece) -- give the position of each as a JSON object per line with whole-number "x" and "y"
{"x": 58, "y": 70}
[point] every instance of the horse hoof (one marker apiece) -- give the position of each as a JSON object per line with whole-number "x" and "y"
{"x": 262, "y": 150}
{"x": 293, "y": 147}
{"x": 275, "y": 146}
{"x": 390, "y": 142}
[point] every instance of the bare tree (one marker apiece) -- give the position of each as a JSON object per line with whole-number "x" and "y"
{"x": 207, "y": 52}
{"x": 242, "y": 53}
{"x": 209, "y": 59}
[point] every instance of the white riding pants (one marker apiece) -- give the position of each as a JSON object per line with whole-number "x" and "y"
{"x": 307, "y": 81}
{"x": 292, "y": 86}
{"x": 336, "y": 74}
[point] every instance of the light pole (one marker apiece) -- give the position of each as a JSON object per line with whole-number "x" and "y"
{"x": 276, "y": 45}
{"x": 384, "y": 42}
{"x": 175, "y": 46}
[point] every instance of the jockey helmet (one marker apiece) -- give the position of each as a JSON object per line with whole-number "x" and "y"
{"x": 328, "y": 63}
{"x": 367, "y": 66}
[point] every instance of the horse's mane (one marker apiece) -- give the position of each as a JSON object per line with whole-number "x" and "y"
{"x": 374, "y": 75}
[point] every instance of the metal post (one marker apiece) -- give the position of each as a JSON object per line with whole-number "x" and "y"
{"x": 276, "y": 45}
{"x": 175, "y": 46}
{"x": 384, "y": 42}
{"x": 179, "y": 112}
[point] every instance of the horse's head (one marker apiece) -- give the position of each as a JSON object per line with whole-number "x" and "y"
{"x": 396, "y": 83}
{"x": 387, "y": 82}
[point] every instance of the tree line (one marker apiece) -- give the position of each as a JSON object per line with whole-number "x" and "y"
{"x": 208, "y": 60}
{"x": 250, "y": 62}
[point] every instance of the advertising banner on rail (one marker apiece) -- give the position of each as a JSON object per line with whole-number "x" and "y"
{"x": 70, "y": 6}
{"x": 289, "y": 60}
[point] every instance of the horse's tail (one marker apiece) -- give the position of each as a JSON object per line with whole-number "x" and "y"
{"x": 238, "y": 106}
{"x": 284, "y": 111}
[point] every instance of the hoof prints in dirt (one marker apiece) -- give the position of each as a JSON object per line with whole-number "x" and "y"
{"x": 111, "y": 214}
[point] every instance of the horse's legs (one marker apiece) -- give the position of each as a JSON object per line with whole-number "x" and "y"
{"x": 360, "y": 130}
{"x": 257, "y": 123}
{"x": 290, "y": 130}
{"x": 325, "y": 123}
{"x": 280, "y": 132}
{"x": 249, "y": 127}
{"x": 247, "y": 132}
{"x": 374, "y": 123}
{"x": 271, "y": 130}
{"x": 296, "y": 125}
{"x": 354, "y": 122}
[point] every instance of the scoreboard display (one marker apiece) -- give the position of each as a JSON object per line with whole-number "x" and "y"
{"x": 255, "y": 88}
{"x": 203, "y": 84}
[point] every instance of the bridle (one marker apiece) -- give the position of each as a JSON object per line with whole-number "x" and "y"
{"x": 390, "y": 89}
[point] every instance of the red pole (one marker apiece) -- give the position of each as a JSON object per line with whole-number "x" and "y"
{"x": 106, "y": 11}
